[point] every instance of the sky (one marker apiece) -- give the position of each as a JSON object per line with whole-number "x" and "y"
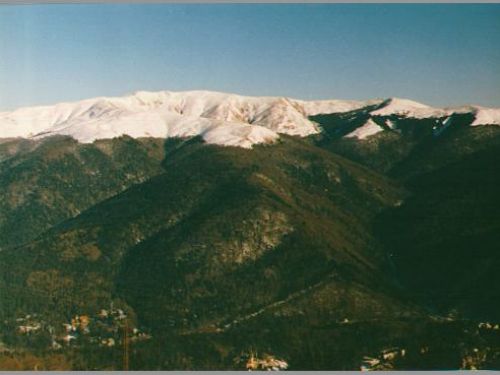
{"x": 438, "y": 54}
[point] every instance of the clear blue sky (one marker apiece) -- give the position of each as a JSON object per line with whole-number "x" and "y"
{"x": 445, "y": 54}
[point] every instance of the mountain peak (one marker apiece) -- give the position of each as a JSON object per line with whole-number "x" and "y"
{"x": 400, "y": 106}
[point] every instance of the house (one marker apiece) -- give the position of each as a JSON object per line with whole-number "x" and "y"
{"x": 370, "y": 361}
{"x": 109, "y": 342}
{"x": 273, "y": 364}
{"x": 68, "y": 327}
{"x": 55, "y": 345}
{"x": 392, "y": 353}
{"x": 25, "y": 329}
{"x": 121, "y": 314}
{"x": 268, "y": 363}
{"x": 68, "y": 338}
{"x": 84, "y": 323}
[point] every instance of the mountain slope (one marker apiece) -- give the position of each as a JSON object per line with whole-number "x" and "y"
{"x": 444, "y": 238}
{"x": 398, "y": 142}
{"x": 43, "y": 183}
{"x": 201, "y": 242}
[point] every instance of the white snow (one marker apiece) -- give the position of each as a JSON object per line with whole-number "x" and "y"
{"x": 224, "y": 119}
{"x": 335, "y": 106}
{"x": 240, "y": 135}
{"x": 407, "y": 108}
{"x": 220, "y": 118}
{"x": 486, "y": 116}
{"x": 391, "y": 124}
{"x": 366, "y": 130}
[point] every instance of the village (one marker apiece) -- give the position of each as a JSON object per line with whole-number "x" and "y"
{"x": 472, "y": 358}
{"x": 112, "y": 328}
{"x": 107, "y": 328}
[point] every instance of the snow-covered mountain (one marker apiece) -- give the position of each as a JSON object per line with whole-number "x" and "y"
{"x": 220, "y": 118}
{"x": 410, "y": 108}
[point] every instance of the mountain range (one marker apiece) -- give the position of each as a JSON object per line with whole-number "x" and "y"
{"x": 219, "y": 118}
{"x": 319, "y": 232}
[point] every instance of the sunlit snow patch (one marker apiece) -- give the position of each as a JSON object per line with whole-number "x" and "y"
{"x": 366, "y": 130}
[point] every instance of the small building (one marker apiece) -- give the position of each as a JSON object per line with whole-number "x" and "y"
{"x": 26, "y": 329}
{"x": 268, "y": 363}
{"x": 68, "y": 338}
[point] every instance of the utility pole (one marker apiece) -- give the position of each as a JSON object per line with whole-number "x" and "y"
{"x": 125, "y": 346}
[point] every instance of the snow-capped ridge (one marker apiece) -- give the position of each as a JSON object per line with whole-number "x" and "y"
{"x": 220, "y": 118}
{"x": 486, "y": 116}
{"x": 407, "y": 108}
{"x": 412, "y": 109}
